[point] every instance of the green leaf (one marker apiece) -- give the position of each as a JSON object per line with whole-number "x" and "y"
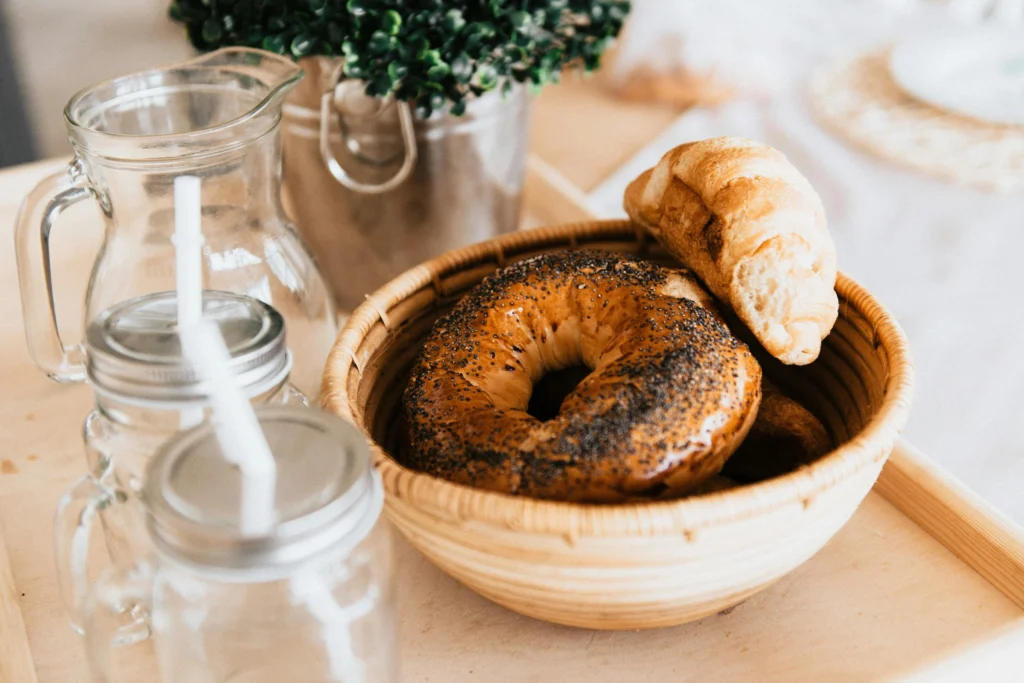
{"x": 423, "y": 109}
{"x": 379, "y": 86}
{"x": 273, "y": 44}
{"x": 487, "y": 77}
{"x": 486, "y": 29}
{"x": 211, "y": 31}
{"x": 434, "y": 53}
{"x": 458, "y": 108}
{"x": 302, "y": 44}
{"x": 520, "y": 20}
{"x": 379, "y": 42}
{"x": 453, "y": 20}
{"x": 390, "y": 22}
{"x": 462, "y": 69}
{"x": 438, "y": 71}
{"x": 552, "y": 59}
{"x": 397, "y": 71}
{"x": 418, "y": 46}
{"x": 432, "y": 57}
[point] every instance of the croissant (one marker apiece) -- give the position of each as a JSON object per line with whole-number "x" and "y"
{"x": 753, "y": 229}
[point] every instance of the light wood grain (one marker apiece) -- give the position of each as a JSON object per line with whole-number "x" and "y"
{"x": 958, "y": 518}
{"x": 551, "y": 197}
{"x": 15, "y": 653}
{"x": 996, "y": 657}
{"x": 40, "y": 446}
{"x": 881, "y": 598}
{"x": 582, "y": 130}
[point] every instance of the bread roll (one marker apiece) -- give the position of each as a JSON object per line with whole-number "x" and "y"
{"x": 785, "y": 436}
{"x": 669, "y": 394}
{"x": 753, "y": 229}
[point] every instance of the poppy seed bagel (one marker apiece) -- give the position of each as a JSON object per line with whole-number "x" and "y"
{"x": 670, "y": 394}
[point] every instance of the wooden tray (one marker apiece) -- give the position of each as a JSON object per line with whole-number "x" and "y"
{"x": 926, "y": 582}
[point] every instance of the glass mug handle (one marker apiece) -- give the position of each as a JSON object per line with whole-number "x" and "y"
{"x": 77, "y": 512}
{"x": 111, "y": 622}
{"x": 36, "y": 217}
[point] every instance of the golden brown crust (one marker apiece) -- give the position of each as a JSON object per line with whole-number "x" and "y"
{"x": 753, "y": 229}
{"x": 671, "y": 393}
{"x": 785, "y": 436}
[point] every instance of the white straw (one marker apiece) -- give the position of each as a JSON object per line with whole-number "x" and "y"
{"x": 309, "y": 587}
{"x": 188, "y": 244}
{"x": 188, "y": 264}
{"x": 238, "y": 431}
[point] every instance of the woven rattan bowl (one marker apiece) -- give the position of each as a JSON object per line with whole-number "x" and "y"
{"x": 621, "y": 566}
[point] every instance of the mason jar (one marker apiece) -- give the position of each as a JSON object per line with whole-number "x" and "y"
{"x": 309, "y": 600}
{"x": 145, "y": 392}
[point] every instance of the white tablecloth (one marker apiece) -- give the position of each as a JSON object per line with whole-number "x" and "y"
{"x": 945, "y": 259}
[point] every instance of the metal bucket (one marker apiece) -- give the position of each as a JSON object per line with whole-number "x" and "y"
{"x": 374, "y": 195}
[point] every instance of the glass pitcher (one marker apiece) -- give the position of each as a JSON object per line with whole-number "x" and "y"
{"x": 217, "y": 117}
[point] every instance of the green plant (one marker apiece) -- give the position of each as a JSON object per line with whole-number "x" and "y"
{"x": 430, "y": 52}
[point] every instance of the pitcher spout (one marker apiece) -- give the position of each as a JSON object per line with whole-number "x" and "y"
{"x": 215, "y": 100}
{"x": 276, "y": 73}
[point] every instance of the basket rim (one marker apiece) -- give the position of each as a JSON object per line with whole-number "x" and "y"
{"x": 870, "y": 446}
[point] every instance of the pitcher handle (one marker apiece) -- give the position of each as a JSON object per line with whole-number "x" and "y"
{"x": 35, "y": 221}
{"x": 408, "y": 142}
{"x": 72, "y": 530}
{"x": 112, "y": 621}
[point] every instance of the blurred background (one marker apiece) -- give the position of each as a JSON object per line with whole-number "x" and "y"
{"x": 906, "y": 115}
{"x": 50, "y": 50}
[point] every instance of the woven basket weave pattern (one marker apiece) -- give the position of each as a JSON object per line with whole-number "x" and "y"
{"x": 620, "y": 566}
{"x": 859, "y": 99}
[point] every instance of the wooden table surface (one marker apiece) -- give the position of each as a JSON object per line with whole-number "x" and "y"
{"x": 583, "y": 134}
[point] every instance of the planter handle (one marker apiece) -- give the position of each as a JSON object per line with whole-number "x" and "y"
{"x": 339, "y": 173}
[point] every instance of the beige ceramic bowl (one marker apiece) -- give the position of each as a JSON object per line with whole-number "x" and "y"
{"x": 621, "y": 566}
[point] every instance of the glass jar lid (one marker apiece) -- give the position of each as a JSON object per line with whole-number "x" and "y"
{"x": 326, "y": 493}
{"x": 134, "y": 353}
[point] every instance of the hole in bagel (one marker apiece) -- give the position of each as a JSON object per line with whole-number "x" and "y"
{"x": 551, "y": 390}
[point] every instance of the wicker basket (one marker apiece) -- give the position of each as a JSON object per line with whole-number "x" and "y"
{"x": 621, "y": 566}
